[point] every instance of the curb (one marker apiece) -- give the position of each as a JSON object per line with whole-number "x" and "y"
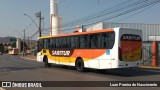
{"x": 149, "y": 67}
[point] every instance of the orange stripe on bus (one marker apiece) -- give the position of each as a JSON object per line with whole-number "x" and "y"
{"x": 88, "y": 53}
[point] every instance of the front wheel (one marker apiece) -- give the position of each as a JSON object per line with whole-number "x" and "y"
{"x": 79, "y": 65}
{"x": 46, "y": 64}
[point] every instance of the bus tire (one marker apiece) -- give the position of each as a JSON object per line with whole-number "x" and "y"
{"x": 79, "y": 65}
{"x": 46, "y": 64}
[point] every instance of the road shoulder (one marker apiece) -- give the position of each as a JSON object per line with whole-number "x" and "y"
{"x": 29, "y": 57}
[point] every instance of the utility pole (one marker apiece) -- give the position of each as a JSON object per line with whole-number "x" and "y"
{"x": 40, "y": 31}
{"x": 28, "y": 43}
{"x": 38, "y": 15}
{"x": 23, "y": 42}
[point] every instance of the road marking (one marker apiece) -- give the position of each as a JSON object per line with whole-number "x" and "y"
{"x": 2, "y": 88}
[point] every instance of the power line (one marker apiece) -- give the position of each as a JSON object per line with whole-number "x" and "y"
{"x": 94, "y": 16}
{"x": 115, "y": 9}
{"x": 134, "y": 14}
{"x": 99, "y": 13}
{"x": 126, "y": 9}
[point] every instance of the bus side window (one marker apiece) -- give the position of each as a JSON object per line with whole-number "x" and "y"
{"x": 112, "y": 39}
{"x": 73, "y": 42}
{"x": 108, "y": 40}
{"x": 49, "y": 45}
{"x": 56, "y": 43}
{"x": 46, "y": 43}
{"x": 40, "y": 45}
{"x": 105, "y": 40}
{"x": 81, "y": 39}
{"x": 99, "y": 41}
{"x": 87, "y": 42}
{"x": 60, "y": 42}
{"x": 52, "y": 42}
{"x": 68, "y": 43}
{"x": 94, "y": 41}
{"x": 84, "y": 43}
{"x": 77, "y": 42}
{"x": 65, "y": 42}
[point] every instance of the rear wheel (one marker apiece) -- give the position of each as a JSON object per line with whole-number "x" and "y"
{"x": 46, "y": 64}
{"x": 79, "y": 65}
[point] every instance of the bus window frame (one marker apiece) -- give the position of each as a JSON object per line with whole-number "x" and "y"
{"x": 75, "y": 40}
{"x": 97, "y": 42}
{"x": 84, "y": 44}
{"x": 108, "y": 41}
{"x": 46, "y": 43}
{"x": 68, "y": 42}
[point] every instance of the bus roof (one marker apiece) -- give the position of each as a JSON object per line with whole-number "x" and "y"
{"x": 79, "y": 33}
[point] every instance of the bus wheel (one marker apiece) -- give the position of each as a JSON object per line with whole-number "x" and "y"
{"x": 46, "y": 64}
{"x": 79, "y": 65}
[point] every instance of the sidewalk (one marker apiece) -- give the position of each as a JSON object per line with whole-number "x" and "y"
{"x": 150, "y": 67}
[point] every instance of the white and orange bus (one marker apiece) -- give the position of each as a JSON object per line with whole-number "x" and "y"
{"x": 98, "y": 49}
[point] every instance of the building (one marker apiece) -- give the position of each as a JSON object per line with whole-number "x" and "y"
{"x": 1, "y": 48}
{"x": 147, "y": 29}
{"x": 5, "y": 43}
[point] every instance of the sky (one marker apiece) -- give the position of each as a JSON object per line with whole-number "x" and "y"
{"x": 13, "y": 22}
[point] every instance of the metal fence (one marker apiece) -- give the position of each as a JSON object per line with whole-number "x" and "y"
{"x": 147, "y": 53}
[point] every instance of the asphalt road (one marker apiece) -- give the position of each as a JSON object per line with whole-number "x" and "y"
{"x": 14, "y": 68}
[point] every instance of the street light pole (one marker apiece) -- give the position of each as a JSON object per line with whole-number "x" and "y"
{"x": 31, "y": 19}
{"x": 38, "y": 15}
